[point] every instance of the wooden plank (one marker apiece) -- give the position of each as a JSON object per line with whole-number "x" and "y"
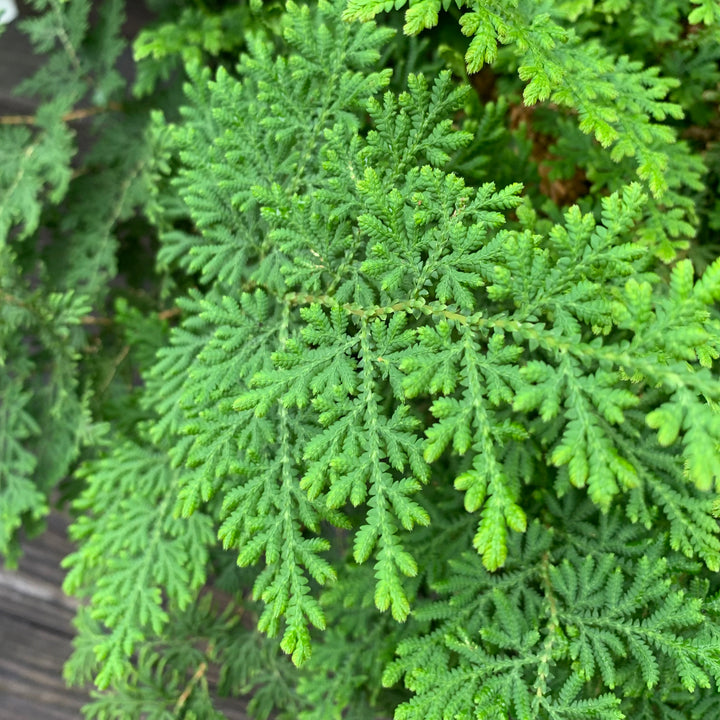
{"x": 36, "y": 632}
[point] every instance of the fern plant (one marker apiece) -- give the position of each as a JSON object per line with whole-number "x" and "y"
{"x": 450, "y": 445}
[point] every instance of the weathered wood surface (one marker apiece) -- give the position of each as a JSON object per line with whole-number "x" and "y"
{"x": 36, "y": 633}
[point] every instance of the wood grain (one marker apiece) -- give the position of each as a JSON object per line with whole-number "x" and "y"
{"x": 36, "y": 633}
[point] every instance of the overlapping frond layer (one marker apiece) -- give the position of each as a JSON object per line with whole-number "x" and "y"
{"x": 375, "y": 280}
{"x": 378, "y": 399}
{"x": 548, "y": 636}
{"x": 617, "y": 101}
{"x": 58, "y": 249}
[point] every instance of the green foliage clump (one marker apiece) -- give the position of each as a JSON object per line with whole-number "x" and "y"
{"x": 339, "y": 350}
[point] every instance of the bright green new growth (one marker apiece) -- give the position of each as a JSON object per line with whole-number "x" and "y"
{"x": 610, "y": 97}
{"x": 615, "y": 98}
{"x": 445, "y": 440}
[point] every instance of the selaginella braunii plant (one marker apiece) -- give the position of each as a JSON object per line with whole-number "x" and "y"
{"x": 374, "y": 351}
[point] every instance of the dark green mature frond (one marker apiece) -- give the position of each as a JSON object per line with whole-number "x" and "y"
{"x": 31, "y": 164}
{"x": 58, "y": 218}
{"x": 545, "y": 638}
{"x": 171, "y": 673}
{"x": 42, "y": 419}
{"x": 18, "y": 493}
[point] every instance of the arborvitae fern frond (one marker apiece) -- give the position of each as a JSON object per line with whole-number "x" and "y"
{"x": 55, "y": 264}
{"x": 414, "y": 291}
{"x": 29, "y": 162}
{"x": 188, "y": 38}
{"x": 542, "y": 639}
{"x": 38, "y": 439}
{"x": 172, "y": 673}
{"x": 143, "y": 554}
{"x": 328, "y": 69}
{"x": 271, "y": 460}
{"x": 669, "y": 222}
{"x": 370, "y": 350}
{"x": 334, "y": 683}
{"x": 19, "y": 494}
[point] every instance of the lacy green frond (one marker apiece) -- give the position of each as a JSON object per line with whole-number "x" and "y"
{"x": 361, "y": 358}
{"x": 277, "y": 138}
{"x": 143, "y": 557}
{"x": 546, "y": 637}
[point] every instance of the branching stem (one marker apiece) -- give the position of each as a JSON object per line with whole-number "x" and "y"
{"x": 194, "y": 680}
{"x": 79, "y": 114}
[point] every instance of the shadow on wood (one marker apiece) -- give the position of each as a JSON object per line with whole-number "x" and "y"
{"x": 36, "y": 633}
